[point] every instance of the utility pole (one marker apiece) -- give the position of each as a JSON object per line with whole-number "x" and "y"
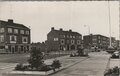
{"x": 119, "y": 24}
{"x": 88, "y": 28}
{"x": 109, "y": 22}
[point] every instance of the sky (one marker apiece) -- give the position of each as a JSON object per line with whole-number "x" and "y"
{"x": 41, "y": 16}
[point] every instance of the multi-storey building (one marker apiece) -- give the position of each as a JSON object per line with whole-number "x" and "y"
{"x": 118, "y": 44}
{"x": 14, "y": 37}
{"x": 98, "y": 41}
{"x": 63, "y": 40}
{"x": 87, "y": 41}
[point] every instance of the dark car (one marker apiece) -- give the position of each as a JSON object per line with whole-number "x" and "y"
{"x": 115, "y": 54}
{"x": 110, "y": 50}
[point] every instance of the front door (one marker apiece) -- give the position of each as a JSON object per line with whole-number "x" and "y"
{"x": 13, "y": 49}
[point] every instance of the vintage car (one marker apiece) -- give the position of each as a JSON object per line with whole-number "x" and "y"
{"x": 115, "y": 54}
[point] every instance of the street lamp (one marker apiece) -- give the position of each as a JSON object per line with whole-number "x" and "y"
{"x": 89, "y": 45}
{"x": 88, "y": 28}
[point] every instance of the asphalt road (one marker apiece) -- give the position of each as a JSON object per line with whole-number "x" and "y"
{"x": 94, "y": 66}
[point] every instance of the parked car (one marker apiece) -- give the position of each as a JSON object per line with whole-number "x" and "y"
{"x": 110, "y": 50}
{"x": 115, "y": 54}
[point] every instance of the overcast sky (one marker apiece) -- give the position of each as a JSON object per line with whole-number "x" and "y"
{"x": 41, "y": 16}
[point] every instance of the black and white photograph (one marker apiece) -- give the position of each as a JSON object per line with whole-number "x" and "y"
{"x": 59, "y": 38}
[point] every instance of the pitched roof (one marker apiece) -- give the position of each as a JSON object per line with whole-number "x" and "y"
{"x": 13, "y": 24}
{"x": 67, "y": 32}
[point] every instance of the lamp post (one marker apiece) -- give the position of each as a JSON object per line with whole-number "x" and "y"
{"x": 89, "y": 44}
{"x": 88, "y": 28}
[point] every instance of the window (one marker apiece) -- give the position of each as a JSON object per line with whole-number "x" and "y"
{"x": 16, "y": 31}
{"x": 63, "y": 36}
{"x": 9, "y": 30}
{"x": 22, "y": 31}
{"x": 67, "y": 36}
{"x": 67, "y": 41}
{"x": 62, "y": 41}
{"x": 2, "y": 30}
{"x": 70, "y": 36}
{"x": 99, "y": 41}
{"x": 1, "y": 38}
{"x": 98, "y": 37}
{"x": 78, "y": 41}
{"x": 72, "y": 41}
{"x": 13, "y": 39}
{"x": 55, "y": 39}
{"x": 24, "y": 39}
{"x": 27, "y": 32}
{"x": 73, "y": 36}
{"x": 94, "y": 39}
{"x": 79, "y": 36}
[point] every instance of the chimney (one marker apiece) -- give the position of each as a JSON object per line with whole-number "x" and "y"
{"x": 10, "y": 20}
{"x": 61, "y": 29}
{"x": 52, "y": 28}
{"x": 70, "y": 30}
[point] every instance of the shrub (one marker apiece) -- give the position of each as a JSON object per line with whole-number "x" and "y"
{"x": 56, "y": 64}
{"x": 36, "y": 58}
{"x": 19, "y": 67}
{"x": 46, "y": 68}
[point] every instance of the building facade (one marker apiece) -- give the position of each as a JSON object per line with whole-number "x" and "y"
{"x": 39, "y": 46}
{"x": 118, "y": 44}
{"x": 63, "y": 40}
{"x": 98, "y": 41}
{"x": 14, "y": 37}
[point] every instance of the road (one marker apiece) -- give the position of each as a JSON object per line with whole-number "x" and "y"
{"x": 94, "y": 66}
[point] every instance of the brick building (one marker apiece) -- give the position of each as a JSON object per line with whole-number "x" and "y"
{"x": 118, "y": 44}
{"x": 40, "y": 46}
{"x": 97, "y": 40}
{"x": 63, "y": 40}
{"x": 14, "y": 37}
{"x": 113, "y": 42}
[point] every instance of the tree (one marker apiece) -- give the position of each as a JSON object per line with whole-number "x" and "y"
{"x": 36, "y": 58}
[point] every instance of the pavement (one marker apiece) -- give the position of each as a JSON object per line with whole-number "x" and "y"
{"x": 114, "y": 62}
